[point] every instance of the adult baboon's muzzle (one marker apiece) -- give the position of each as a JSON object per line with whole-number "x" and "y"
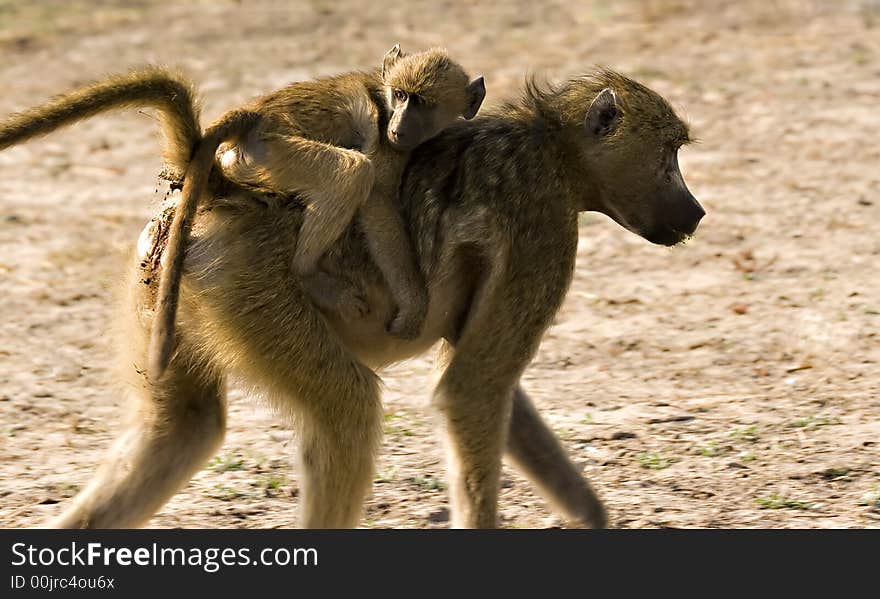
{"x": 690, "y": 213}
{"x": 679, "y": 220}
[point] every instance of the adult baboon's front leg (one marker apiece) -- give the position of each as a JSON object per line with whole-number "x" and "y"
{"x": 476, "y": 415}
{"x": 535, "y": 450}
{"x": 475, "y": 395}
{"x": 180, "y": 426}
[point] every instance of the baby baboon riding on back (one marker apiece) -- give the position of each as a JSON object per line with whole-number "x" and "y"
{"x": 343, "y": 142}
{"x": 340, "y": 143}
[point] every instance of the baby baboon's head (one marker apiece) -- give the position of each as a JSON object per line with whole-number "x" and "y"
{"x": 629, "y": 138}
{"x": 426, "y": 92}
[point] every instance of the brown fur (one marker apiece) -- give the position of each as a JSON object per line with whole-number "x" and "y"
{"x": 492, "y": 205}
{"x": 155, "y": 87}
{"x": 308, "y": 137}
{"x": 330, "y": 140}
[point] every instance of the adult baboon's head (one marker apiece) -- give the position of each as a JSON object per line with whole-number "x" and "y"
{"x": 628, "y": 140}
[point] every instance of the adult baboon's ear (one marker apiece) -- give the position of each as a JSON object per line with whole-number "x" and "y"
{"x": 476, "y": 91}
{"x": 603, "y": 115}
{"x": 391, "y": 57}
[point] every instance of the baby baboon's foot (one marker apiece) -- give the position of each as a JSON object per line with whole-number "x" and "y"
{"x": 412, "y": 309}
{"x": 407, "y": 324}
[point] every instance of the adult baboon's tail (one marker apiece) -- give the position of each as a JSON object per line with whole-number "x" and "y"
{"x": 229, "y": 127}
{"x": 187, "y": 152}
{"x": 155, "y": 87}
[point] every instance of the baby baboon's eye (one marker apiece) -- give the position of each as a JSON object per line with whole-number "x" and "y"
{"x": 399, "y": 95}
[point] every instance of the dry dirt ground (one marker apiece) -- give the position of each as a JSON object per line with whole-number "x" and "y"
{"x": 731, "y": 382}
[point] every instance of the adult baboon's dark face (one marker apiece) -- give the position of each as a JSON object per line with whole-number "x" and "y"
{"x": 633, "y": 158}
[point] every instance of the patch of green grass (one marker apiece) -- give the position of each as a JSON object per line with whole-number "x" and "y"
{"x": 393, "y": 426}
{"x": 775, "y": 501}
{"x": 654, "y": 461}
{"x": 227, "y": 493}
{"x": 746, "y": 456}
{"x": 271, "y": 483}
{"x": 816, "y": 421}
{"x": 588, "y": 419}
{"x": 712, "y": 450}
{"x": 392, "y": 417}
{"x": 747, "y": 433}
{"x": 226, "y": 463}
{"x": 386, "y": 476}
{"x": 428, "y": 483}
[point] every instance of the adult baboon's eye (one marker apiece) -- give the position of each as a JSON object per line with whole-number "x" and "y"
{"x": 399, "y": 95}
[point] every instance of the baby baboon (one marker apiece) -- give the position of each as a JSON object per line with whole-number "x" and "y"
{"x": 336, "y": 141}
{"x": 341, "y": 139}
{"x": 491, "y": 205}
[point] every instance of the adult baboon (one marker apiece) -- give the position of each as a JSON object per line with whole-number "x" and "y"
{"x": 491, "y": 205}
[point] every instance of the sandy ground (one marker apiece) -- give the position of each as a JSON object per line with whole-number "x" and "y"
{"x": 731, "y": 382}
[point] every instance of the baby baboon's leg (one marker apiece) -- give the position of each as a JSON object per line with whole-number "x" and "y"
{"x": 335, "y": 294}
{"x": 337, "y": 181}
{"x": 536, "y": 451}
{"x": 180, "y": 426}
{"x": 393, "y": 253}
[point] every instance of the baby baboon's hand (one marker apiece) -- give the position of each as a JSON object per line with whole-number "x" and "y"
{"x": 412, "y": 310}
{"x": 404, "y": 326}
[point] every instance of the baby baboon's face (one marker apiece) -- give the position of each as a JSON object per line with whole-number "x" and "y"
{"x": 633, "y": 153}
{"x": 426, "y": 93}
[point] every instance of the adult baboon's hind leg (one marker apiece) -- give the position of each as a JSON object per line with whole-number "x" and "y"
{"x": 535, "y": 450}
{"x": 178, "y": 429}
{"x": 178, "y": 425}
{"x": 285, "y": 348}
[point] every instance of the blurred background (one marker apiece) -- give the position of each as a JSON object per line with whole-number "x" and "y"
{"x": 731, "y": 382}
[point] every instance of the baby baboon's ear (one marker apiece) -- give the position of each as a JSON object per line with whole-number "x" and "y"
{"x": 476, "y": 91}
{"x": 391, "y": 57}
{"x": 603, "y": 114}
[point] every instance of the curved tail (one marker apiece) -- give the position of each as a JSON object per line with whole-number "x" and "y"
{"x": 230, "y": 126}
{"x": 187, "y": 151}
{"x": 155, "y": 87}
